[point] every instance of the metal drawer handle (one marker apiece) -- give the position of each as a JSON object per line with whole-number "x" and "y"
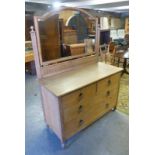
{"x": 80, "y": 108}
{"x": 81, "y": 122}
{"x": 108, "y": 93}
{"x": 109, "y": 82}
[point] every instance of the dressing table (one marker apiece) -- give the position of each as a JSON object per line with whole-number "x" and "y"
{"x": 76, "y": 90}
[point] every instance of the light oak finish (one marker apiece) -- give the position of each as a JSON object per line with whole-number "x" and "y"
{"x": 84, "y": 95}
{"x": 70, "y": 113}
{"x": 52, "y": 111}
{"x": 65, "y": 66}
{"x": 76, "y": 91}
{"x": 72, "y": 80}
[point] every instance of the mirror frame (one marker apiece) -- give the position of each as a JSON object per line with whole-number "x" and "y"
{"x": 52, "y": 13}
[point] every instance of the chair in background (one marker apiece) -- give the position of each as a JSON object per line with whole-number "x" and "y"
{"x": 107, "y": 52}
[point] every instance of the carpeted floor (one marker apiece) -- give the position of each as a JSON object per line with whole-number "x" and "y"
{"x": 123, "y": 99}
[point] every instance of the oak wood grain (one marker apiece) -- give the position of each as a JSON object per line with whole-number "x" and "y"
{"x": 72, "y": 80}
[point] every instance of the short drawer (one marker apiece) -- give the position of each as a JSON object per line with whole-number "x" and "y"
{"x": 109, "y": 97}
{"x": 71, "y": 99}
{"x": 88, "y": 92}
{"x": 111, "y": 82}
{"x": 113, "y": 97}
{"x": 81, "y": 96}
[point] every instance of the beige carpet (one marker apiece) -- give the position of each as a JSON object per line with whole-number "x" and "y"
{"x": 123, "y": 99}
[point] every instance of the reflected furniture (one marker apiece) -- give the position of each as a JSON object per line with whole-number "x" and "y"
{"x": 75, "y": 49}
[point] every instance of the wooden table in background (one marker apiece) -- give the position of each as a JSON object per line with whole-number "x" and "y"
{"x": 29, "y": 56}
{"x": 29, "y": 62}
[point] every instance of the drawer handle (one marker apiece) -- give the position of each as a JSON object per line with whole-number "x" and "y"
{"x": 108, "y": 93}
{"x": 109, "y": 82}
{"x": 80, "y": 96}
{"x": 80, "y": 108}
{"x": 107, "y": 105}
{"x": 81, "y": 122}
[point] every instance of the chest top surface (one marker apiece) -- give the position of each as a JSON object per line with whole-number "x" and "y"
{"x": 67, "y": 82}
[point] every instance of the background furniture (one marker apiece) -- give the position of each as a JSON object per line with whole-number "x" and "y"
{"x": 89, "y": 45}
{"x": 127, "y": 25}
{"x": 123, "y": 58}
{"x": 49, "y": 40}
{"x": 28, "y": 23}
{"x": 78, "y": 23}
{"x": 29, "y": 58}
{"x": 75, "y": 49}
{"x": 70, "y": 36}
{"x": 104, "y": 37}
{"x": 126, "y": 62}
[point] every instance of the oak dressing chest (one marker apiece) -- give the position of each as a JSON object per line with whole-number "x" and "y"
{"x": 76, "y": 90}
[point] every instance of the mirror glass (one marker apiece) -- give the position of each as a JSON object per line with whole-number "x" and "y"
{"x": 67, "y": 34}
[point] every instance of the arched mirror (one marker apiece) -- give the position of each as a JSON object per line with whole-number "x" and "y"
{"x": 65, "y": 34}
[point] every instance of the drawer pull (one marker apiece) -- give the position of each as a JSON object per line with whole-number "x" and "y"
{"x": 81, "y": 122}
{"x": 108, "y": 93}
{"x": 109, "y": 82}
{"x": 80, "y": 108}
{"x": 80, "y": 96}
{"x": 107, "y": 105}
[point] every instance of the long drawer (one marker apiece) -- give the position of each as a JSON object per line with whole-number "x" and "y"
{"x": 84, "y": 119}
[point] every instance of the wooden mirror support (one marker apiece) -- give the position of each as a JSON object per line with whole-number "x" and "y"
{"x": 75, "y": 90}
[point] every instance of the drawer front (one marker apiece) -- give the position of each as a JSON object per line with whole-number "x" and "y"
{"x": 95, "y": 111}
{"x": 77, "y": 103}
{"x": 72, "y": 127}
{"x": 71, "y": 99}
{"x": 81, "y": 96}
{"x": 88, "y": 92}
{"x": 111, "y": 82}
{"x": 107, "y": 99}
{"x": 76, "y": 111}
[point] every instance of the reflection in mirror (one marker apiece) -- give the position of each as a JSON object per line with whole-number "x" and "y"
{"x": 70, "y": 33}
